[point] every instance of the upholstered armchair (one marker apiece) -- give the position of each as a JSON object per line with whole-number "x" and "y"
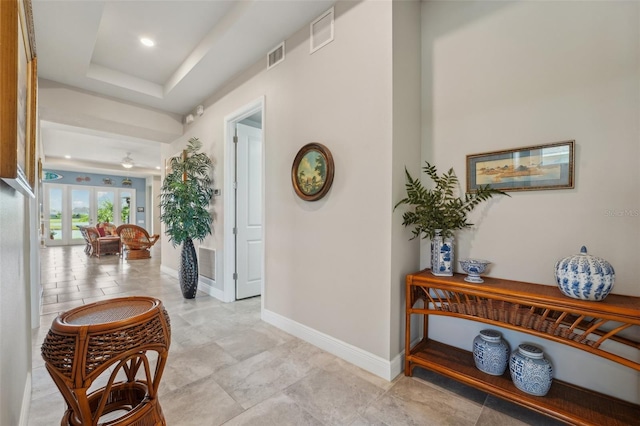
{"x": 106, "y": 229}
{"x": 97, "y": 245}
{"x": 136, "y": 241}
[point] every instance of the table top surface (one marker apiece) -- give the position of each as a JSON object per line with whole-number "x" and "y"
{"x": 529, "y": 293}
{"x": 108, "y": 311}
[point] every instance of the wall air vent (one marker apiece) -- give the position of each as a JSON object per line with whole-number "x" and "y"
{"x": 207, "y": 263}
{"x": 322, "y": 31}
{"x": 275, "y": 56}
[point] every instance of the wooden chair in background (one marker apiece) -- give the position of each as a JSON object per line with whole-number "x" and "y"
{"x": 136, "y": 241}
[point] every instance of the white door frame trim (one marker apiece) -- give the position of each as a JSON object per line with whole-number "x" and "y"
{"x": 229, "y": 194}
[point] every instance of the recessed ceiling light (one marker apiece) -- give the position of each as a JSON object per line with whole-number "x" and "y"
{"x": 147, "y": 42}
{"x": 157, "y": 167}
{"x": 67, "y": 156}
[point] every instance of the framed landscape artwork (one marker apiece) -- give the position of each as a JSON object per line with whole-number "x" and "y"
{"x": 18, "y": 109}
{"x": 312, "y": 171}
{"x": 529, "y": 168}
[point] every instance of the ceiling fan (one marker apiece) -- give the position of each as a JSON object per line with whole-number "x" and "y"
{"x": 127, "y": 162}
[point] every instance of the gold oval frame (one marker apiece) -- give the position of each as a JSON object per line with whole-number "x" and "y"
{"x": 311, "y": 190}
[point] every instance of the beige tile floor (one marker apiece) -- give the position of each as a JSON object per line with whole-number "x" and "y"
{"x": 227, "y": 367}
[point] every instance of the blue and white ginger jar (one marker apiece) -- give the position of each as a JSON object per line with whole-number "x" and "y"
{"x": 491, "y": 352}
{"x": 530, "y": 371}
{"x": 585, "y": 277}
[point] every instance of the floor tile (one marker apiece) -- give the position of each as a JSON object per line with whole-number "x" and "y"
{"x": 279, "y": 410}
{"x": 227, "y": 366}
{"x": 202, "y": 403}
{"x": 59, "y": 307}
{"x": 78, "y": 295}
{"x": 334, "y": 399}
{"x": 498, "y": 411}
{"x": 47, "y": 410}
{"x": 263, "y": 375}
{"x": 410, "y": 402}
{"x": 261, "y": 338}
{"x": 190, "y": 366}
{"x": 447, "y": 385}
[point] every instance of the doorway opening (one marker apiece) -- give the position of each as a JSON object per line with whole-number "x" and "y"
{"x": 66, "y": 207}
{"x": 244, "y": 203}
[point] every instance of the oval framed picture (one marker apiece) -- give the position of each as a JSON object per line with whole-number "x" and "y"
{"x": 312, "y": 171}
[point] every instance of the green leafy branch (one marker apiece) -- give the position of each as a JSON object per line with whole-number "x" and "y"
{"x": 439, "y": 208}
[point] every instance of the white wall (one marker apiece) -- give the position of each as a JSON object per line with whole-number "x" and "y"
{"x": 404, "y": 254}
{"x": 328, "y": 263}
{"x": 153, "y": 210}
{"x": 499, "y": 75}
{"x": 15, "y": 311}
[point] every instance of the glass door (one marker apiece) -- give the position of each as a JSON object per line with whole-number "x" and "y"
{"x": 104, "y": 201}
{"x": 54, "y": 201}
{"x": 80, "y": 213}
{"x": 68, "y": 206}
{"x": 126, "y": 200}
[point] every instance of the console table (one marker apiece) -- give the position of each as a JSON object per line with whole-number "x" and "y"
{"x": 539, "y": 310}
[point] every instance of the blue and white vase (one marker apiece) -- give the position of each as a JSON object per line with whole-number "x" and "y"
{"x": 491, "y": 352}
{"x": 441, "y": 255}
{"x": 530, "y": 371}
{"x": 585, "y": 277}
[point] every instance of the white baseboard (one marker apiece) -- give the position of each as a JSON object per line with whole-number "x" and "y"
{"x": 204, "y": 283}
{"x": 26, "y": 402}
{"x": 169, "y": 271}
{"x": 374, "y": 364}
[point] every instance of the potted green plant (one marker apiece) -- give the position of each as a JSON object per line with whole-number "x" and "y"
{"x": 436, "y": 213}
{"x": 184, "y": 199}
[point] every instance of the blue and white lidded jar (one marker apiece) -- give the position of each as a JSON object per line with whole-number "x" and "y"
{"x": 491, "y": 352}
{"x": 585, "y": 277}
{"x": 530, "y": 371}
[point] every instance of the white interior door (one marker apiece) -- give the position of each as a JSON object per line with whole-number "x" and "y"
{"x": 249, "y": 245}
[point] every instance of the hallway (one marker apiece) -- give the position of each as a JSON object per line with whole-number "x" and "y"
{"x": 226, "y": 366}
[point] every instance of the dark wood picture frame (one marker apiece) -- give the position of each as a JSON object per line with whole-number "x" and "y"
{"x": 18, "y": 105}
{"x": 539, "y": 167}
{"x": 312, "y": 171}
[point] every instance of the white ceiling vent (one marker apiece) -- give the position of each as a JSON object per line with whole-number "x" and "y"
{"x": 322, "y": 31}
{"x": 275, "y": 56}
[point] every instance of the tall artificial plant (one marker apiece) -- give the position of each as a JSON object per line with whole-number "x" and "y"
{"x": 184, "y": 200}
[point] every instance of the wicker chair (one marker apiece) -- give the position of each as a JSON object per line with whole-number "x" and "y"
{"x": 89, "y": 246}
{"x": 136, "y": 242}
{"x": 98, "y": 245}
{"x": 108, "y": 229}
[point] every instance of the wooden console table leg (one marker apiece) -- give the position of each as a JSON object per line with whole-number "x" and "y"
{"x": 407, "y": 327}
